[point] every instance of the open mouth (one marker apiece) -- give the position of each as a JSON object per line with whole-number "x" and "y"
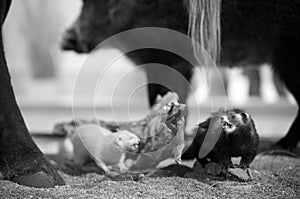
{"x": 136, "y": 146}
{"x": 171, "y": 109}
{"x": 173, "y": 113}
{"x": 227, "y": 125}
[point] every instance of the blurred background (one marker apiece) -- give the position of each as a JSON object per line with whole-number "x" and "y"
{"x": 43, "y": 77}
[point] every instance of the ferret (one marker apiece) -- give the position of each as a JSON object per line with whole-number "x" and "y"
{"x": 238, "y": 138}
{"x": 91, "y": 141}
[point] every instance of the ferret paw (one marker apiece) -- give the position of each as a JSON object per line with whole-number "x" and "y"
{"x": 215, "y": 169}
{"x": 112, "y": 174}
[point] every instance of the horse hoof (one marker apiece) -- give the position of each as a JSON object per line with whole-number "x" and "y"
{"x": 39, "y": 180}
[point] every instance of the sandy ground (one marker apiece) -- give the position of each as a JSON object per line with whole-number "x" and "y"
{"x": 274, "y": 177}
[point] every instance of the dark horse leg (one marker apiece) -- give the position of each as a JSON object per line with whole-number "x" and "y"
{"x": 165, "y": 72}
{"x": 20, "y": 159}
{"x": 161, "y": 80}
{"x": 286, "y": 63}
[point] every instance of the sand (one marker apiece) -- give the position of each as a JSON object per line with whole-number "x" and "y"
{"x": 274, "y": 177}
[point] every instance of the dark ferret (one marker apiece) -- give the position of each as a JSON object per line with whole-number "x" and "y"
{"x": 237, "y": 139}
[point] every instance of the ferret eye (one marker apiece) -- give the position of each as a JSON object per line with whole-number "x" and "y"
{"x": 244, "y": 115}
{"x": 233, "y": 116}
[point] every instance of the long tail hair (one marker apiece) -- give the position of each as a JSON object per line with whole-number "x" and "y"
{"x": 204, "y": 29}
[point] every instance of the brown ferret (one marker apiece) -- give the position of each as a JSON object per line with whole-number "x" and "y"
{"x": 238, "y": 138}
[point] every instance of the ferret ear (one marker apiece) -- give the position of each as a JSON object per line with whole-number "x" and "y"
{"x": 158, "y": 98}
{"x": 245, "y": 115}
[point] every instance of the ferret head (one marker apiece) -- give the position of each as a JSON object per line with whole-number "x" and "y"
{"x": 128, "y": 141}
{"x": 234, "y": 119}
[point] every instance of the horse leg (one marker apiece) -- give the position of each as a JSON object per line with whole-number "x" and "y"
{"x": 162, "y": 79}
{"x": 20, "y": 159}
{"x": 285, "y": 62}
{"x": 291, "y": 139}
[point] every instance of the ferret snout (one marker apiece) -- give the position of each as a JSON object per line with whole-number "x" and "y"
{"x": 136, "y": 145}
{"x": 135, "y": 142}
{"x": 227, "y": 125}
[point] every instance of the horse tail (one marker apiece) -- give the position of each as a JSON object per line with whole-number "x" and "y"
{"x": 204, "y": 29}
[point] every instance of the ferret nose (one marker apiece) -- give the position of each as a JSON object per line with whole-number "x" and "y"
{"x": 137, "y": 144}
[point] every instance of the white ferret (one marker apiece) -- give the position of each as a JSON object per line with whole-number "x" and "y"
{"x": 91, "y": 141}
